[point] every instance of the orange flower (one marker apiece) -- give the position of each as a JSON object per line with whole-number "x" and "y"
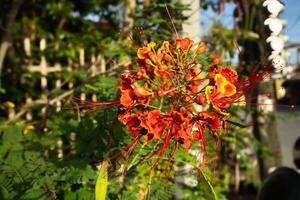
{"x": 154, "y": 123}
{"x": 126, "y": 98}
{"x": 184, "y": 43}
{"x": 224, "y": 93}
{"x": 201, "y": 48}
{"x": 142, "y": 53}
{"x": 180, "y": 129}
{"x": 164, "y": 52}
{"x": 141, "y": 91}
{"x": 142, "y": 73}
{"x": 221, "y": 96}
{"x": 193, "y": 73}
{"x": 209, "y": 118}
{"x": 132, "y": 122}
{"x": 226, "y": 88}
{"x": 200, "y": 99}
{"x": 200, "y": 122}
{"x": 229, "y": 73}
{"x": 126, "y": 81}
{"x": 218, "y": 102}
{"x": 216, "y": 60}
{"x": 159, "y": 94}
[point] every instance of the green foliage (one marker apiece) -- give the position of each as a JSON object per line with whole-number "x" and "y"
{"x": 27, "y": 174}
{"x": 67, "y": 26}
{"x": 103, "y": 88}
{"x": 59, "y": 161}
{"x": 30, "y": 166}
{"x": 155, "y": 21}
{"x": 222, "y": 39}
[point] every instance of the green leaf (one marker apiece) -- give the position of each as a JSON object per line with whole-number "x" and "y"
{"x": 102, "y": 181}
{"x": 238, "y": 124}
{"x": 250, "y": 35}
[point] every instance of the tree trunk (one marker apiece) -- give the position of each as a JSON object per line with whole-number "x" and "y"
{"x": 5, "y": 39}
{"x": 191, "y": 26}
{"x": 128, "y": 19}
{"x": 264, "y": 125}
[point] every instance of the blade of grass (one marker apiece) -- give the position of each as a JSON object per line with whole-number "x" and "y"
{"x": 102, "y": 182}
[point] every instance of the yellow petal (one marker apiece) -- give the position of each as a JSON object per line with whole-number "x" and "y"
{"x": 151, "y": 45}
{"x": 225, "y": 87}
{"x": 27, "y": 128}
{"x": 9, "y": 104}
{"x": 207, "y": 93}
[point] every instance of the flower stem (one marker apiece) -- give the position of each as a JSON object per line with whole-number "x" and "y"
{"x": 208, "y": 183}
{"x": 149, "y": 185}
{"x": 135, "y": 157}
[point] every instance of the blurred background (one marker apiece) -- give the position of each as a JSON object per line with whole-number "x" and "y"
{"x": 55, "y": 49}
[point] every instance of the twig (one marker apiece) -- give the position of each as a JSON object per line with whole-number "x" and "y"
{"x": 27, "y": 106}
{"x": 208, "y": 183}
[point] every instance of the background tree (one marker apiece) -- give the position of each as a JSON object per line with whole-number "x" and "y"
{"x": 252, "y": 15}
{"x": 249, "y": 34}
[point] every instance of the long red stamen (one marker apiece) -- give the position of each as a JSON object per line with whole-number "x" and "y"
{"x": 161, "y": 149}
{"x": 251, "y": 98}
{"x": 128, "y": 150}
{"x": 277, "y": 105}
{"x": 86, "y": 104}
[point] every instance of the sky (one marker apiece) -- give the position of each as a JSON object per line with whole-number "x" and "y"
{"x": 291, "y": 14}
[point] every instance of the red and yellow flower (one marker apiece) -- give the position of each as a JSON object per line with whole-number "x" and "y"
{"x": 157, "y": 97}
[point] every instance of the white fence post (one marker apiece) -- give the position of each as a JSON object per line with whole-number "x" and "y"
{"x": 97, "y": 65}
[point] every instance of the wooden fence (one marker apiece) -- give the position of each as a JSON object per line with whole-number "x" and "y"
{"x": 97, "y": 65}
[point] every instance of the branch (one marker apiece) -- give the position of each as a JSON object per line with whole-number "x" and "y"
{"x": 26, "y": 107}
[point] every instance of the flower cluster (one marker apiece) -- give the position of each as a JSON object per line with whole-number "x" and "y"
{"x": 160, "y": 95}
